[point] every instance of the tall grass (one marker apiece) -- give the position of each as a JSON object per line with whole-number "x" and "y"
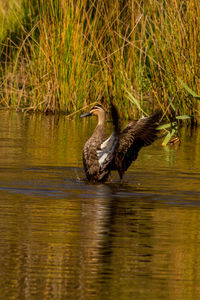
{"x": 67, "y": 54}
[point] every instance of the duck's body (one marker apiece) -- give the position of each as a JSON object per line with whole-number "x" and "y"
{"x": 90, "y": 157}
{"x": 101, "y": 156}
{"x": 99, "y": 152}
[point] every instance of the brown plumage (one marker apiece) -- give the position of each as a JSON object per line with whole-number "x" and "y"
{"x": 135, "y": 135}
{"x": 101, "y": 156}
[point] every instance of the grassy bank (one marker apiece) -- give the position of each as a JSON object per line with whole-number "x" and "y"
{"x": 63, "y": 55}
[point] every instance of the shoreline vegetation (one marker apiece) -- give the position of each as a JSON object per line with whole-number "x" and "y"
{"x": 61, "y": 56}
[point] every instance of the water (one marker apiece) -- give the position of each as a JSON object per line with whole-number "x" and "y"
{"x": 62, "y": 238}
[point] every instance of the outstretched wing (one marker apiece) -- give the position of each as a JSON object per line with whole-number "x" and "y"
{"x": 106, "y": 154}
{"x": 136, "y": 135}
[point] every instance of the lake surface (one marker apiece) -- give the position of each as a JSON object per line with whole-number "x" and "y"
{"x": 62, "y": 238}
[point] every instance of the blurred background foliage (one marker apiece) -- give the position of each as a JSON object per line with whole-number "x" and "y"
{"x": 63, "y": 55}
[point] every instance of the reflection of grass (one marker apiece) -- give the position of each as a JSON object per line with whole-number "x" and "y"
{"x": 62, "y": 55}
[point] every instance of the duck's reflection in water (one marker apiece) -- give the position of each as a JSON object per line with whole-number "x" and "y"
{"x": 108, "y": 223}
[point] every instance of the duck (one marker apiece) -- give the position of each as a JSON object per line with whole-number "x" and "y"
{"x": 102, "y": 155}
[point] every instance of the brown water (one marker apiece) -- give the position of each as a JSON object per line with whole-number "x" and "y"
{"x": 62, "y": 238}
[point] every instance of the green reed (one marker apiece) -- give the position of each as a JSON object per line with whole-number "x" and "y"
{"x": 64, "y": 55}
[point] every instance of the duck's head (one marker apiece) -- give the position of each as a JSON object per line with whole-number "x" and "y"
{"x": 97, "y": 110}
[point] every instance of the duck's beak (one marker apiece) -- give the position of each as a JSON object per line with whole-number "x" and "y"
{"x": 86, "y": 115}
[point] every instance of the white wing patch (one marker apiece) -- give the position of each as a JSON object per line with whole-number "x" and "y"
{"x": 101, "y": 157}
{"x": 107, "y": 150}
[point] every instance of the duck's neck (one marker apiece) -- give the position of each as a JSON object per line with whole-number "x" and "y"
{"x": 99, "y": 131}
{"x": 101, "y": 118}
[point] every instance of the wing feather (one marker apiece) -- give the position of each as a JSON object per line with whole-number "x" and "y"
{"x": 107, "y": 151}
{"x": 136, "y": 135}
